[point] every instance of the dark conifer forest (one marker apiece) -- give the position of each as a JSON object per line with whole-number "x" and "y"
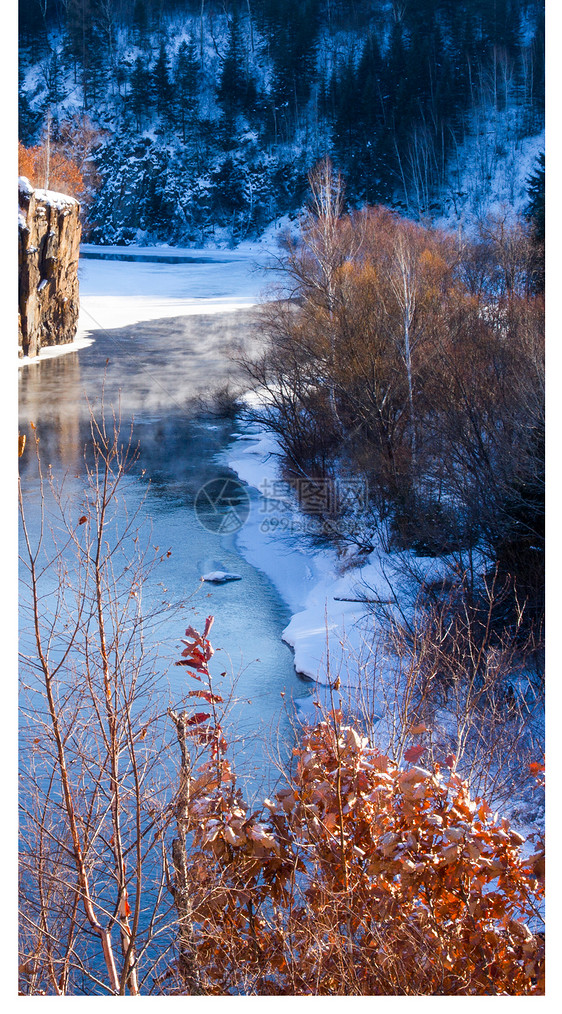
{"x": 199, "y": 120}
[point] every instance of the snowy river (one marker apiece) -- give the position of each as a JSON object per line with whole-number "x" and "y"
{"x": 157, "y": 336}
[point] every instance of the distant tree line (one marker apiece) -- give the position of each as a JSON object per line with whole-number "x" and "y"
{"x": 388, "y": 90}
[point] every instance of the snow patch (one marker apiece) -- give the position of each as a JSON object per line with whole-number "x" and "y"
{"x": 53, "y": 351}
{"x": 202, "y": 282}
{"x": 220, "y": 577}
{"x": 333, "y": 620}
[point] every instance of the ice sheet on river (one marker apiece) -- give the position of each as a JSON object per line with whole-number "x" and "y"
{"x": 119, "y": 293}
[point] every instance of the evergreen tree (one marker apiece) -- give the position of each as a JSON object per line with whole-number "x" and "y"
{"x": 86, "y": 46}
{"x": 79, "y": 25}
{"x": 33, "y": 22}
{"x": 370, "y": 167}
{"x": 502, "y": 21}
{"x": 187, "y": 84}
{"x": 236, "y": 92}
{"x": 140, "y": 19}
{"x": 538, "y": 51}
{"x": 535, "y": 213}
{"x": 140, "y": 92}
{"x": 349, "y": 122}
{"x": 535, "y": 205}
{"x": 292, "y": 28}
{"x": 229, "y": 182}
{"x": 55, "y": 83}
{"x": 158, "y": 206}
{"x": 161, "y": 86}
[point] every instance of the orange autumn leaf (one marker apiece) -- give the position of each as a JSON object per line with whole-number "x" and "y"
{"x": 413, "y": 754}
{"x": 206, "y": 695}
{"x": 200, "y": 716}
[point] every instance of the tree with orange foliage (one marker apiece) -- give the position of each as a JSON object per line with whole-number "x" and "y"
{"x": 359, "y": 878}
{"x": 47, "y": 168}
{"x": 353, "y": 354}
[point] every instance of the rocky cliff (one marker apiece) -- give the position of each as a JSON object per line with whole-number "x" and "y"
{"x": 49, "y": 241}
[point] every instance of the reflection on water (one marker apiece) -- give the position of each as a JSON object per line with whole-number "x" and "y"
{"x": 43, "y": 390}
{"x": 156, "y": 375}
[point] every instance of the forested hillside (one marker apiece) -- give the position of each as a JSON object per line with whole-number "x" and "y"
{"x": 195, "y": 121}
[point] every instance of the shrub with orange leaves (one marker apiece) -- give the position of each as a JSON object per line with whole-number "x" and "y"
{"x": 359, "y": 878}
{"x": 64, "y": 175}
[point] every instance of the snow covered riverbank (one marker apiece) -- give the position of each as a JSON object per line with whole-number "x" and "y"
{"x": 331, "y": 629}
{"x": 337, "y": 616}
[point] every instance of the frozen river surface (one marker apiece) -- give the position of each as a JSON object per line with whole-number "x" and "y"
{"x": 157, "y": 337}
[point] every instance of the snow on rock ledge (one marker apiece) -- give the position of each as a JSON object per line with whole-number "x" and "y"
{"x": 48, "y": 249}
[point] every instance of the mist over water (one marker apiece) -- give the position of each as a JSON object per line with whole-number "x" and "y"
{"x": 157, "y": 376}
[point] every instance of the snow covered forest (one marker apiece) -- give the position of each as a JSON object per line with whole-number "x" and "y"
{"x": 197, "y": 121}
